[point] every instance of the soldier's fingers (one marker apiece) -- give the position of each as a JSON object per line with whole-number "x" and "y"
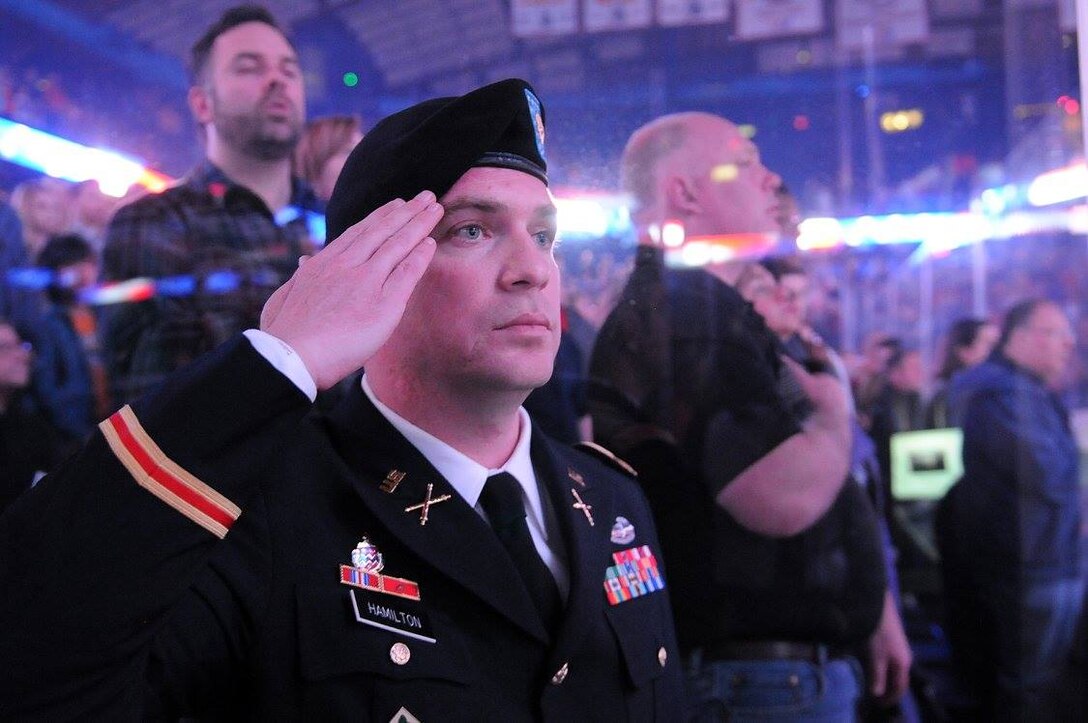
{"x": 399, "y": 244}
{"x": 406, "y": 274}
{"x": 352, "y": 233}
{"x": 363, "y": 244}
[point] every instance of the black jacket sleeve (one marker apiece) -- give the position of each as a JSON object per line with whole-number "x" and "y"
{"x": 106, "y": 559}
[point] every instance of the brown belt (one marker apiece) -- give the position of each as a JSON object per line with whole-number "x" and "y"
{"x": 768, "y": 650}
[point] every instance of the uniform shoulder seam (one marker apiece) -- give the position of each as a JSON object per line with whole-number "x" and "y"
{"x": 605, "y": 455}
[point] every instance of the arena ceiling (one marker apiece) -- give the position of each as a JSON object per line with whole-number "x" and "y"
{"x": 427, "y": 46}
{"x": 598, "y": 85}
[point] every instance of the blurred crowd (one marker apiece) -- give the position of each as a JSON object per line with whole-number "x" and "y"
{"x": 61, "y": 229}
{"x": 145, "y": 123}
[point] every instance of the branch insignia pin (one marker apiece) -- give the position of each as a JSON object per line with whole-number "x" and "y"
{"x": 579, "y": 504}
{"x": 425, "y": 506}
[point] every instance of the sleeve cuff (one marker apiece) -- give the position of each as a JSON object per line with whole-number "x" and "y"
{"x": 281, "y": 356}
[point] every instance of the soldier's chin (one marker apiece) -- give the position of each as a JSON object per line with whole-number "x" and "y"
{"x": 530, "y": 382}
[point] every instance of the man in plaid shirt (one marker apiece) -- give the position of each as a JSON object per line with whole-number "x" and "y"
{"x": 221, "y": 240}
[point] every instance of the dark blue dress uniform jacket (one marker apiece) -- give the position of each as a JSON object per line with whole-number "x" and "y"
{"x": 116, "y": 605}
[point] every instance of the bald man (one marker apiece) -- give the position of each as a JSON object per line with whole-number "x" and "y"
{"x": 775, "y": 561}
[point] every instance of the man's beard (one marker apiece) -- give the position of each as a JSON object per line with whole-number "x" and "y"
{"x": 253, "y": 136}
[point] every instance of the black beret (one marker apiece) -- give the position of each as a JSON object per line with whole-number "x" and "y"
{"x": 432, "y": 144}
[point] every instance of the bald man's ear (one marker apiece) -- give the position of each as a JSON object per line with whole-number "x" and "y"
{"x": 681, "y": 196}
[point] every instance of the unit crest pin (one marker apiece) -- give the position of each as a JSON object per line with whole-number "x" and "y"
{"x": 623, "y": 532}
{"x": 366, "y": 557}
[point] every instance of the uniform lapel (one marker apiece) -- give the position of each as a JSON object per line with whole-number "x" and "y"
{"x": 455, "y": 541}
{"x": 588, "y": 546}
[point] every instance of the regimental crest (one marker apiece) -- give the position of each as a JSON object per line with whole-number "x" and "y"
{"x": 366, "y": 557}
{"x": 623, "y": 532}
{"x": 538, "y": 121}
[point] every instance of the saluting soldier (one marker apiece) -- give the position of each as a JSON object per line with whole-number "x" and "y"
{"x": 421, "y": 553}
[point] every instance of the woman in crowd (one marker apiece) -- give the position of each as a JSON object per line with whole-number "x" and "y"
{"x": 44, "y": 207}
{"x": 64, "y": 371}
{"x": 324, "y": 149}
{"x": 969, "y": 342}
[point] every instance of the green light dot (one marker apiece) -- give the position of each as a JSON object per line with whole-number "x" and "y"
{"x": 351, "y": 80}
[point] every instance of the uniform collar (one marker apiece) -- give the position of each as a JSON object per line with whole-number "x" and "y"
{"x": 464, "y": 474}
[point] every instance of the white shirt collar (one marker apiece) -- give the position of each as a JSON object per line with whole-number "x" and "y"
{"x": 466, "y": 475}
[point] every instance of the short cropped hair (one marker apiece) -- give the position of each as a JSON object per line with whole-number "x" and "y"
{"x": 231, "y": 18}
{"x": 59, "y": 252}
{"x": 780, "y": 266}
{"x": 65, "y": 250}
{"x": 644, "y": 151}
{"x": 961, "y": 335}
{"x": 1019, "y": 315}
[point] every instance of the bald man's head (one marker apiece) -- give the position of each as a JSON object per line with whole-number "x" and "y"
{"x": 698, "y": 169}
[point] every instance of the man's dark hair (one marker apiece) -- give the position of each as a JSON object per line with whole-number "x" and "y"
{"x": 232, "y": 18}
{"x": 1017, "y": 316}
{"x": 61, "y": 251}
{"x": 780, "y": 266}
{"x": 961, "y": 335}
{"x": 898, "y": 354}
{"x": 65, "y": 250}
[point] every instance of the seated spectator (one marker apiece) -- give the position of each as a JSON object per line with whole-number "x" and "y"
{"x": 758, "y": 287}
{"x": 44, "y": 207}
{"x": 969, "y": 342}
{"x": 869, "y": 377}
{"x": 323, "y": 150}
{"x": 790, "y": 322}
{"x": 63, "y": 380}
{"x": 792, "y": 286}
{"x": 788, "y": 216}
{"x": 93, "y": 211}
{"x": 898, "y": 408}
{"x": 27, "y": 447}
{"x": 19, "y": 304}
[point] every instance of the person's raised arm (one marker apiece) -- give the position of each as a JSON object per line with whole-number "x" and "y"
{"x": 788, "y": 489}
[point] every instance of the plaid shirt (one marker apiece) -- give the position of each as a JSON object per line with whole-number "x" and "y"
{"x": 203, "y": 226}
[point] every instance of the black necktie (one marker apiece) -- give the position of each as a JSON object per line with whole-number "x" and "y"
{"x": 501, "y": 500}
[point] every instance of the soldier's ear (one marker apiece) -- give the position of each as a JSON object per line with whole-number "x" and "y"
{"x": 200, "y": 104}
{"x": 681, "y": 195}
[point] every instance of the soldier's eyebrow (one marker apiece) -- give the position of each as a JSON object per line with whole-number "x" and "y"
{"x": 490, "y": 206}
{"x": 476, "y": 204}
